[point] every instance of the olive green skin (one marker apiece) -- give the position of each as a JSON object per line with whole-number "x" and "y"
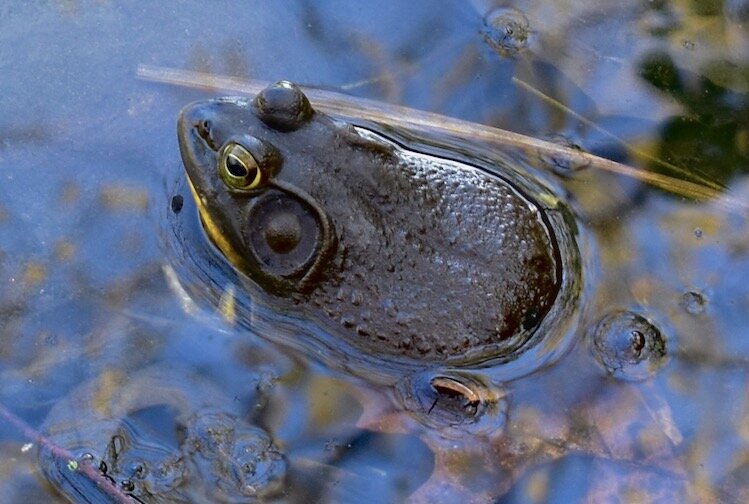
{"x": 407, "y": 255}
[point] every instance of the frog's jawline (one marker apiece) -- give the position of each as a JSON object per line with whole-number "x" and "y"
{"x": 210, "y": 227}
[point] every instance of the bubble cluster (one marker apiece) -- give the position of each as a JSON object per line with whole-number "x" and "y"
{"x": 240, "y": 458}
{"x": 219, "y": 456}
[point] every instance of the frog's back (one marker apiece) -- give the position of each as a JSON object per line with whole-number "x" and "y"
{"x": 441, "y": 258}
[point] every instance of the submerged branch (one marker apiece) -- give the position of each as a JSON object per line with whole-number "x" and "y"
{"x": 58, "y": 452}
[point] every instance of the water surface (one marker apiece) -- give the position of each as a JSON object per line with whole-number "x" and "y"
{"x": 96, "y": 339}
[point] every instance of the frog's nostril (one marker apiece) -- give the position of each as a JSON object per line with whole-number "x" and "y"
{"x": 203, "y": 128}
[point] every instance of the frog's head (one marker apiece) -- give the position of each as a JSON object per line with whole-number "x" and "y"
{"x": 254, "y": 209}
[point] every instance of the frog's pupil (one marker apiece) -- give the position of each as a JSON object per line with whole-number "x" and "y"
{"x": 236, "y": 168}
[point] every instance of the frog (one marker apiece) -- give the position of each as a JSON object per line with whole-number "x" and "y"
{"x": 401, "y": 254}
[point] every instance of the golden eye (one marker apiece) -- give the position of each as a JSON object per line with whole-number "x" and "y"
{"x": 238, "y": 168}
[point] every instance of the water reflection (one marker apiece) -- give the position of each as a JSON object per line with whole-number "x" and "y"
{"x": 87, "y": 155}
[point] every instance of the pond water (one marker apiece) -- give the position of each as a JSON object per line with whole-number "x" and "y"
{"x": 128, "y": 367}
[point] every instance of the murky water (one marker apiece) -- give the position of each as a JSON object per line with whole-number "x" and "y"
{"x": 152, "y": 391}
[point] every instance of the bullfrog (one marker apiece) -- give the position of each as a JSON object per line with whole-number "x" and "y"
{"x": 400, "y": 254}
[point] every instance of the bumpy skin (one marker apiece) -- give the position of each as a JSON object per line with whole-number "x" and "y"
{"x": 410, "y": 255}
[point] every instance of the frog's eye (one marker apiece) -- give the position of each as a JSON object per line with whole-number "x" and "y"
{"x": 283, "y": 106}
{"x": 238, "y": 167}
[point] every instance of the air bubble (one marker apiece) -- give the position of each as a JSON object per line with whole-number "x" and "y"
{"x": 506, "y": 31}
{"x": 565, "y": 165}
{"x": 629, "y": 346}
{"x": 454, "y": 404}
{"x": 177, "y": 203}
{"x": 693, "y": 302}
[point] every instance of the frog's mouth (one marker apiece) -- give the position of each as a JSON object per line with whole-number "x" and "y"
{"x": 196, "y": 153}
{"x": 212, "y": 229}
